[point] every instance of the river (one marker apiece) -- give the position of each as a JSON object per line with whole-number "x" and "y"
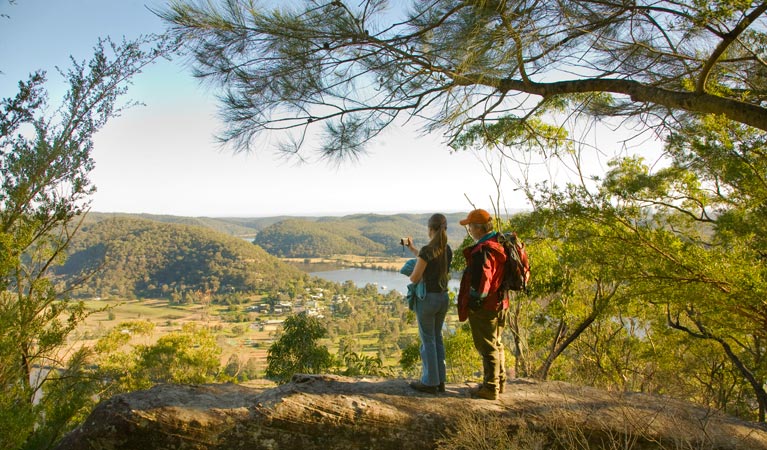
{"x": 385, "y": 280}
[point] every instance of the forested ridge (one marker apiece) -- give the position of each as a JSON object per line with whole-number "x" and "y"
{"x": 131, "y": 257}
{"x": 236, "y": 226}
{"x": 314, "y": 236}
{"x": 141, "y": 255}
{"x": 359, "y": 234}
{"x": 309, "y": 236}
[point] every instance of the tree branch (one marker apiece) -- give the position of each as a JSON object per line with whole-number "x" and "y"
{"x": 735, "y": 110}
{"x": 726, "y": 41}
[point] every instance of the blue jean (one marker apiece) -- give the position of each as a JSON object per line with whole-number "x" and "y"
{"x": 431, "y": 312}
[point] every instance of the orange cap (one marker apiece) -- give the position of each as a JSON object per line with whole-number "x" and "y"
{"x": 477, "y": 216}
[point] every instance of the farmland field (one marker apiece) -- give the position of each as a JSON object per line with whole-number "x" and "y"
{"x": 244, "y": 339}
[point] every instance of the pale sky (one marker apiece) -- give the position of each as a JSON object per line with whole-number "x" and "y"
{"x": 162, "y": 159}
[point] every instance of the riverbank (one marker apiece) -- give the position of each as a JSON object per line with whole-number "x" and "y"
{"x": 388, "y": 263}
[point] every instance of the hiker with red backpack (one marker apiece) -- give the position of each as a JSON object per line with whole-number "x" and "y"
{"x": 483, "y": 299}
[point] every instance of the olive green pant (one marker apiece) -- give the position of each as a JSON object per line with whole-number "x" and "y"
{"x": 486, "y": 330}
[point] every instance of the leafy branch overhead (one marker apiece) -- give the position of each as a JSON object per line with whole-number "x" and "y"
{"x": 448, "y": 64}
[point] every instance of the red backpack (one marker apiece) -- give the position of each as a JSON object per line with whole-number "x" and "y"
{"x": 516, "y": 271}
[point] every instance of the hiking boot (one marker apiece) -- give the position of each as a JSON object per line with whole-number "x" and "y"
{"x": 420, "y": 387}
{"x": 485, "y": 392}
{"x": 441, "y": 387}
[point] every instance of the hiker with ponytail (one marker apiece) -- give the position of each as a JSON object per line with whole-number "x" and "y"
{"x": 433, "y": 268}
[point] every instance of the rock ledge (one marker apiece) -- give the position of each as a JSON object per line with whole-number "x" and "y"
{"x": 321, "y": 412}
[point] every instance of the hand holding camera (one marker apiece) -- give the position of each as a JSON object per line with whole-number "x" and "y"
{"x": 407, "y": 242}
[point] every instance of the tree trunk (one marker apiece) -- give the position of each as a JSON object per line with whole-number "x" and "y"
{"x": 520, "y": 359}
{"x": 758, "y": 387}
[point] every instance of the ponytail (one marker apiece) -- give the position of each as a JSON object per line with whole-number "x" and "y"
{"x": 438, "y": 224}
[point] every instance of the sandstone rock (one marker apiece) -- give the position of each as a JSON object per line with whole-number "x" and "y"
{"x": 331, "y": 412}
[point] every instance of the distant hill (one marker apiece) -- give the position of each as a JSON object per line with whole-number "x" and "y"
{"x": 289, "y": 236}
{"x": 235, "y": 226}
{"x": 303, "y": 237}
{"x": 139, "y": 257}
{"x": 359, "y": 234}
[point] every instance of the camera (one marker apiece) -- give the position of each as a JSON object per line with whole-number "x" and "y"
{"x": 404, "y": 241}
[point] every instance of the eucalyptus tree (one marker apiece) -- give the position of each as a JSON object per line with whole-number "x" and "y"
{"x": 686, "y": 244}
{"x": 582, "y": 280}
{"x": 706, "y": 237}
{"x": 344, "y": 71}
{"x": 45, "y": 161}
{"x": 297, "y": 350}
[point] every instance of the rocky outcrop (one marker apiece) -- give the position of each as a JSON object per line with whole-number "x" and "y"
{"x": 330, "y": 412}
